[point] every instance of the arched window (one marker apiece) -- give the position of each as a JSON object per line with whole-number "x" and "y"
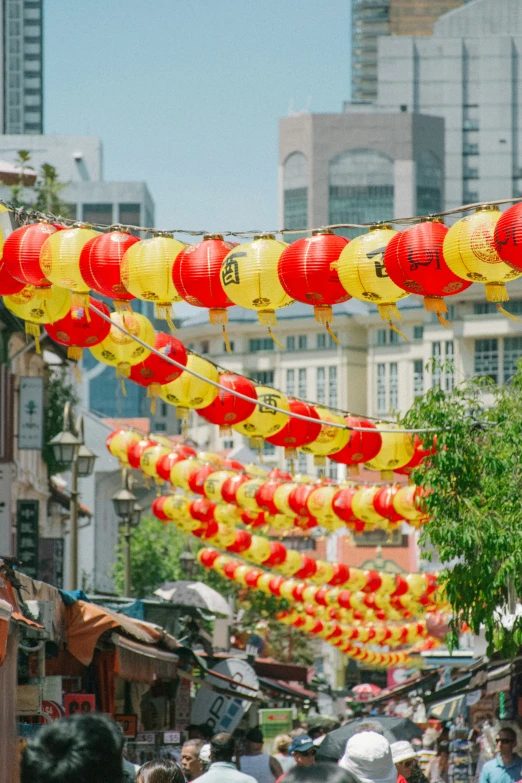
{"x": 429, "y": 184}
{"x": 295, "y": 192}
{"x": 360, "y": 188}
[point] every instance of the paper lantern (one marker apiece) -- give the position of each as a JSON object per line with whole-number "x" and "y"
{"x": 330, "y": 439}
{"x": 82, "y": 330}
{"x": 149, "y": 461}
{"x": 319, "y": 505}
{"x": 342, "y": 506}
{"x": 28, "y": 305}
{"x": 136, "y": 449}
{"x": 119, "y": 349}
{"x": 21, "y": 253}
{"x": 157, "y": 508}
{"x": 508, "y": 237}
{"x": 264, "y": 422}
{"x": 214, "y": 482}
{"x": 406, "y": 503}
{"x": 414, "y": 259}
{"x": 396, "y": 451}
{"x": 361, "y": 446}
{"x": 154, "y": 372}
{"x": 249, "y": 277}
{"x": 363, "y": 508}
{"x": 60, "y": 261}
{"x": 242, "y": 542}
{"x": 469, "y": 251}
{"x": 227, "y": 409}
{"x": 307, "y": 275}
{"x": 187, "y": 391}
{"x": 231, "y": 485}
{"x": 197, "y": 480}
{"x": 420, "y": 453}
{"x": 363, "y": 275}
{"x": 8, "y": 284}
{"x": 197, "y": 276}
{"x": 383, "y": 503}
{"x": 119, "y": 443}
{"x": 265, "y": 496}
{"x": 146, "y": 272}
{"x": 181, "y": 472}
{"x": 296, "y": 432}
{"x": 259, "y": 550}
{"x": 100, "y": 265}
{"x": 246, "y": 494}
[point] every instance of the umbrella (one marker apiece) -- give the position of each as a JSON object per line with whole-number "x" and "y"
{"x": 366, "y": 690}
{"x": 334, "y": 744}
{"x": 194, "y": 594}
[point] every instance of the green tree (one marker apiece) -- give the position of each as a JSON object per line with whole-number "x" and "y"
{"x": 473, "y": 496}
{"x": 59, "y": 391}
{"x": 44, "y": 194}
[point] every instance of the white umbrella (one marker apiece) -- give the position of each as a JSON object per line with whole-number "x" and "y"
{"x": 195, "y": 594}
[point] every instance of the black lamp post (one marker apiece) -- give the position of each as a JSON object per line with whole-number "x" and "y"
{"x": 129, "y": 512}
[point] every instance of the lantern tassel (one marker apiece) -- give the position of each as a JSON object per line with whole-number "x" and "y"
{"x": 77, "y": 373}
{"x": 80, "y": 306}
{"x": 224, "y": 430}
{"x": 153, "y": 391}
{"x": 443, "y": 321}
{"x": 386, "y": 475}
{"x": 506, "y": 313}
{"x": 319, "y": 460}
{"x": 122, "y": 306}
{"x": 226, "y": 340}
{"x": 394, "y": 329}
{"x": 323, "y": 313}
{"x": 218, "y": 315}
{"x": 123, "y": 370}
{"x": 43, "y": 293}
{"x": 164, "y": 313}
{"x": 182, "y": 412}
{"x": 435, "y": 304}
{"x": 34, "y": 330}
{"x": 354, "y": 471}
{"x": 388, "y": 310}
{"x": 332, "y": 335}
{"x": 496, "y": 292}
{"x": 274, "y": 338}
{"x": 74, "y": 352}
{"x": 267, "y": 317}
{"x": 123, "y": 389}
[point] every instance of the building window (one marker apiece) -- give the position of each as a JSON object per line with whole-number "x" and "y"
{"x": 321, "y": 391}
{"x": 302, "y": 342}
{"x": 361, "y": 188}
{"x": 290, "y": 343}
{"x": 321, "y": 340}
{"x": 418, "y": 378}
{"x": 436, "y": 364}
{"x": 98, "y": 214}
{"x": 164, "y": 409}
{"x": 486, "y": 358}
{"x": 295, "y": 193}
{"x": 290, "y": 382}
{"x": 232, "y": 346}
{"x": 302, "y": 383}
{"x": 394, "y": 385}
{"x": 449, "y": 369}
{"x": 268, "y": 448}
{"x": 263, "y": 377}
{"x": 301, "y": 462}
{"x": 418, "y": 332}
{"x": 490, "y": 308}
{"x": 428, "y": 184}
{"x": 382, "y": 336}
{"x": 394, "y": 337}
{"x": 129, "y": 214}
{"x": 228, "y": 444}
{"x": 512, "y": 353}
{"x": 257, "y": 344}
{"x": 381, "y": 387}
{"x": 205, "y": 346}
{"x": 332, "y": 386}
{"x": 333, "y": 470}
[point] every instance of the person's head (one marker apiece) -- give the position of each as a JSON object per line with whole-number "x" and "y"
{"x": 303, "y": 750}
{"x": 369, "y": 725}
{"x": 506, "y": 740}
{"x": 404, "y": 758}
{"x": 222, "y": 747}
{"x": 323, "y": 772}
{"x": 191, "y": 763}
{"x": 254, "y": 740}
{"x": 160, "y": 771}
{"x": 368, "y": 757}
{"x": 79, "y": 749}
{"x": 282, "y": 743}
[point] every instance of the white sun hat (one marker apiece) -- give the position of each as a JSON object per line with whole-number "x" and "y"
{"x": 402, "y": 750}
{"x": 368, "y": 757}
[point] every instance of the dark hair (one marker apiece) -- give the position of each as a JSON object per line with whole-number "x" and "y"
{"x": 255, "y": 735}
{"x": 323, "y": 772}
{"x": 442, "y": 747}
{"x": 160, "y": 771}
{"x": 222, "y": 747}
{"x": 79, "y": 749}
{"x": 509, "y": 731}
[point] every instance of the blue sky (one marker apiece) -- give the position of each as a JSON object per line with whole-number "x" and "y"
{"x": 187, "y": 94}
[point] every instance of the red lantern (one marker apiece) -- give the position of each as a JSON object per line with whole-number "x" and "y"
{"x": 297, "y": 433}
{"x": 383, "y": 503}
{"x": 197, "y": 479}
{"x": 265, "y": 497}
{"x": 230, "y": 568}
{"x": 207, "y": 557}
{"x": 308, "y": 569}
{"x": 8, "y": 285}
{"x": 342, "y": 505}
{"x": 508, "y": 236}
{"x": 242, "y": 543}
{"x": 253, "y": 520}
{"x": 196, "y": 275}
{"x": 415, "y": 262}
{"x": 362, "y": 446}
{"x": 227, "y": 409}
{"x": 157, "y": 508}
{"x": 298, "y": 591}
{"x": 136, "y": 450}
{"x": 208, "y": 530}
{"x": 298, "y": 498}
{"x": 153, "y": 372}
{"x": 341, "y": 574}
{"x": 306, "y": 273}
{"x": 202, "y": 509}
{"x": 100, "y": 262}
{"x": 165, "y": 464}
{"x": 277, "y": 554}
{"x": 231, "y": 486}
{"x": 252, "y": 577}
{"x": 282, "y": 475}
{"x": 275, "y": 585}
{"x": 21, "y": 253}
{"x": 419, "y": 454}
{"x": 80, "y": 330}
{"x": 231, "y": 464}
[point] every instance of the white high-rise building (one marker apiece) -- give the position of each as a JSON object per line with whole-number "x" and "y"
{"x": 21, "y": 89}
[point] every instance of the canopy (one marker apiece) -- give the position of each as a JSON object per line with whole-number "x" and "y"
{"x": 194, "y": 594}
{"x": 334, "y": 744}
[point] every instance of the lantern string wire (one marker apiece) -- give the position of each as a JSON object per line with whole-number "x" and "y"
{"x": 23, "y": 214}
{"x": 245, "y": 397}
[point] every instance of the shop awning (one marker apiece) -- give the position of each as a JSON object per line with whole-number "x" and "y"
{"x": 413, "y": 684}
{"x": 291, "y": 690}
{"x": 447, "y": 709}
{"x": 137, "y": 662}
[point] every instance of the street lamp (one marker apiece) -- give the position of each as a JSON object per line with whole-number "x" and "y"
{"x": 69, "y": 449}
{"x": 187, "y": 563}
{"x": 129, "y": 512}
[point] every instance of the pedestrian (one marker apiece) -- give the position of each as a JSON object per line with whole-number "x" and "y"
{"x": 282, "y": 751}
{"x": 160, "y": 771}
{"x": 368, "y": 757}
{"x": 323, "y": 772}
{"x": 191, "y": 762}
{"x": 506, "y": 767}
{"x": 222, "y": 767}
{"x": 438, "y": 768}
{"x": 405, "y": 760}
{"x": 261, "y": 766}
{"x": 78, "y": 749}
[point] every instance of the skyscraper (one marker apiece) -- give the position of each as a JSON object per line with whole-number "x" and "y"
{"x": 21, "y": 97}
{"x": 372, "y": 19}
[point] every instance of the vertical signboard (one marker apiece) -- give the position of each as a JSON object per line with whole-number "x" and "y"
{"x": 30, "y": 410}
{"x": 6, "y": 414}
{"x": 27, "y": 536}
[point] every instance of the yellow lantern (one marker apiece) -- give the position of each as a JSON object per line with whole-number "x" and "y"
{"x": 362, "y": 273}
{"x": 146, "y": 272}
{"x": 182, "y": 470}
{"x": 60, "y": 261}
{"x": 280, "y": 498}
{"x": 259, "y": 550}
{"x": 29, "y": 305}
{"x": 224, "y": 537}
{"x": 264, "y": 421}
{"x": 469, "y": 251}
{"x": 213, "y": 484}
{"x": 121, "y": 350}
{"x": 220, "y": 563}
{"x": 324, "y": 573}
{"x": 405, "y": 503}
{"x": 149, "y": 460}
{"x": 263, "y": 583}
{"x": 187, "y": 391}
{"x": 362, "y": 506}
{"x": 210, "y": 457}
{"x": 292, "y": 564}
{"x": 240, "y": 573}
{"x": 246, "y": 494}
{"x": 287, "y": 589}
{"x": 119, "y": 444}
{"x": 396, "y": 451}
{"x": 417, "y": 584}
{"x": 330, "y": 439}
{"x": 227, "y": 514}
{"x": 249, "y": 277}
{"x": 319, "y": 504}
{"x": 176, "y": 507}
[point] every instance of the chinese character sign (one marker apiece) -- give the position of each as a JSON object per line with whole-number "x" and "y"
{"x": 27, "y": 512}
{"x": 30, "y": 413}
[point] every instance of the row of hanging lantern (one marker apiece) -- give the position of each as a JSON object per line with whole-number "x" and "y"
{"x": 380, "y": 267}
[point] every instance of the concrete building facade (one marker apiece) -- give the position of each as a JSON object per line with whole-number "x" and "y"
{"x": 21, "y": 88}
